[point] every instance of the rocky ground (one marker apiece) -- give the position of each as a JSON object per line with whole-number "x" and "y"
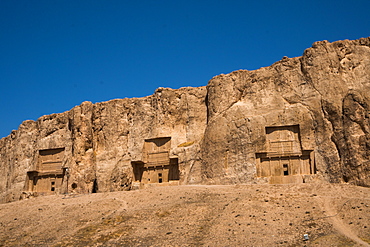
{"x": 241, "y": 215}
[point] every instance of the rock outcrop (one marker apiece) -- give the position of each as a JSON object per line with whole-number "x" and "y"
{"x": 303, "y": 119}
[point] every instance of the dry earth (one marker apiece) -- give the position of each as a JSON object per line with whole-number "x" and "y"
{"x": 237, "y": 215}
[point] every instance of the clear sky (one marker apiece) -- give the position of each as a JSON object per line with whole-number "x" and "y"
{"x": 55, "y": 54}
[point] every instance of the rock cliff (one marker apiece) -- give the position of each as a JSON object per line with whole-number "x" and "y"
{"x": 303, "y": 119}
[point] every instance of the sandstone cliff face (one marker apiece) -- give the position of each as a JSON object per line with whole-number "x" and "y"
{"x": 302, "y": 119}
{"x": 325, "y": 92}
{"x": 100, "y": 141}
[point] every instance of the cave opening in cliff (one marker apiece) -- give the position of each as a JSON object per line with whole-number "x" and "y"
{"x": 74, "y": 186}
{"x": 95, "y": 186}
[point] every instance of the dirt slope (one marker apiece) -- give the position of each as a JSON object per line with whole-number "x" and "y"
{"x": 242, "y": 215}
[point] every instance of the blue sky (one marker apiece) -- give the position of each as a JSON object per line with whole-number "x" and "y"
{"x": 56, "y": 54}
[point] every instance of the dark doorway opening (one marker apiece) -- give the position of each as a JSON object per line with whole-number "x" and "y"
{"x": 95, "y": 186}
{"x": 285, "y": 169}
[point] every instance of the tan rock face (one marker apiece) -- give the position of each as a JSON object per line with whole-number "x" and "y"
{"x": 325, "y": 92}
{"x": 302, "y": 119}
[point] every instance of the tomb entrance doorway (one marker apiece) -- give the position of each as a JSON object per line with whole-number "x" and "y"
{"x": 284, "y": 160}
{"x": 157, "y": 167}
{"x": 49, "y": 173}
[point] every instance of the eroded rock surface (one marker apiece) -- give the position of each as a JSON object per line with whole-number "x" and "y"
{"x": 303, "y": 119}
{"x": 325, "y": 92}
